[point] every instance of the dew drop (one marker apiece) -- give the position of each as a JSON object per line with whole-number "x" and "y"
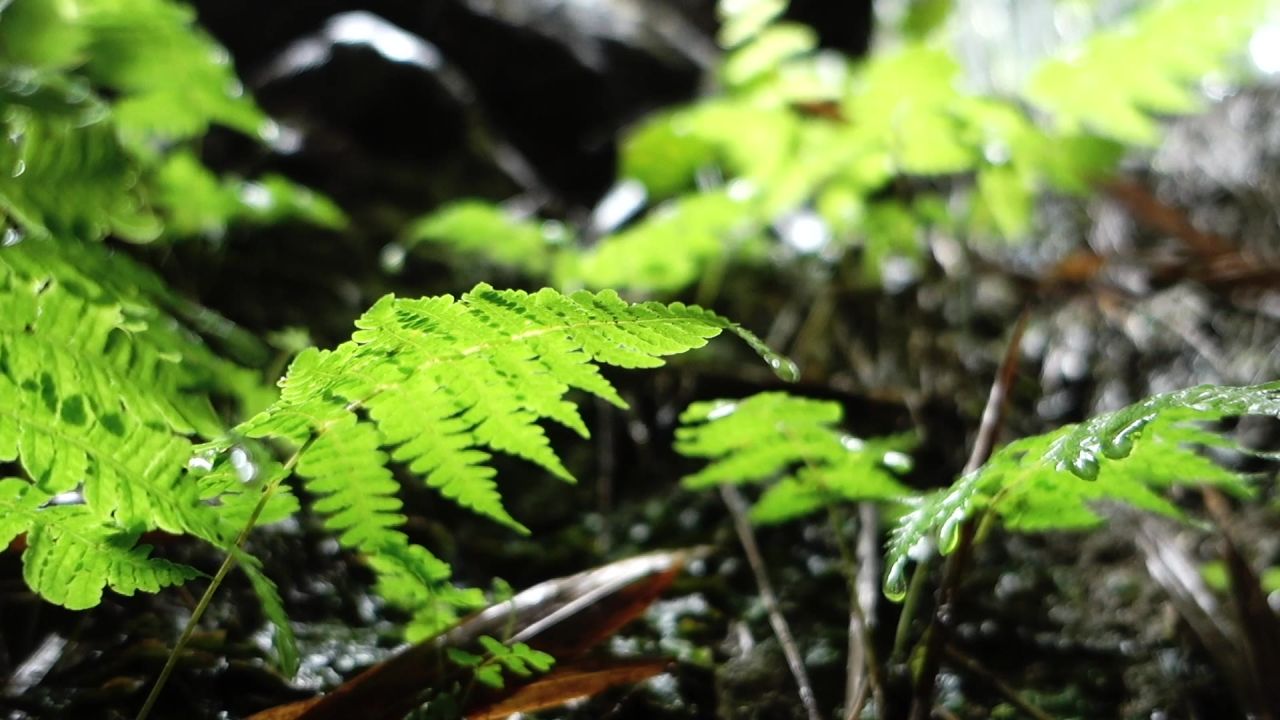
{"x": 895, "y": 580}
{"x": 1084, "y": 466}
{"x": 851, "y": 443}
{"x": 949, "y": 534}
{"x": 722, "y": 410}
{"x": 257, "y": 196}
{"x": 1121, "y": 444}
{"x": 392, "y": 258}
{"x": 19, "y": 167}
{"x": 897, "y": 461}
{"x": 784, "y": 368}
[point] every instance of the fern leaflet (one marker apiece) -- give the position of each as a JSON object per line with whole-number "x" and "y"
{"x": 1099, "y": 85}
{"x": 72, "y": 555}
{"x": 285, "y": 643}
{"x": 1048, "y": 481}
{"x": 775, "y": 435}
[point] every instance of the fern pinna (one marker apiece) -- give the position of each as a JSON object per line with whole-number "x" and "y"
{"x": 795, "y": 443}
{"x": 439, "y": 384}
{"x": 103, "y": 391}
{"x": 1050, "y": 481}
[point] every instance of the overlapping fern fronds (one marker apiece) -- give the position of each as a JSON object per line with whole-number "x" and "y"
{"x": 796, "y": 131}
{"x": 104, "y": 392}
{"x": 80, "y": 166}
{"x": 438, "y": 385}
{"x": 795, "y": 441}
{"x": 1050, "y": 481}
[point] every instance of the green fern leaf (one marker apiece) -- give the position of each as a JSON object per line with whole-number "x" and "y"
{"x": 704, "y": 227}
{"x": 476, "y": 228}
{"x": 19, "y": 508}
{"x": 346, "y": 469}
{"x": 105, "y": 391}
{"x": 194, "y": 200}
{"x": 1050, "y": 481}
{"x": 775, "y": 435}
{"x": 72, "y": 555}
{"x": 410, "y": 577}
{"x": 173, "y": 79}
{"x": 104, "y": 394}
{"x": 445, "y": 382}
{"x": 64, "y": 178}
{"x": 1120, "y": 78}
{"x": 284, "y": 641}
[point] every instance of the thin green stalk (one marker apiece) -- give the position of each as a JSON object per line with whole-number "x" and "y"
{"x": 228, "y": 563}
{"x": 910, "y": 606}
{"x": 958, "y": 562}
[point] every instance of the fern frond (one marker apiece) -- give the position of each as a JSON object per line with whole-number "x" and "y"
{"x": 84, "y": 167}
{"x": 444, "y": 382}
{"x": 98, "y": 303}
{"x": 104, "y": 393}
{"x": 346, "y": 469}
{"x": 72, "y": 555}
{"x": 71, "y": 423}
{"x": 1119, "y": 79}
{"x": 705, "y": 227}
{"x": 474, "y": 228}
{"x": 411, "y": 578}
{"x": 194, "y": 200}
{"x": 1050, "y": 481}
{"x": 173, "y": 79}
{"x": 69, "y": 179}
{"x": 796, "y": 440}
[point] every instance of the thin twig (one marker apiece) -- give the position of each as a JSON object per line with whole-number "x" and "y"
{"x": 862, "y": 618}
{"x": 863, "y": 669}
{"x": 983, "y": 445}
{"x": 746, "y": 537}
{"x": 1257, "y": 621}
{"x": 1013, "y": 696}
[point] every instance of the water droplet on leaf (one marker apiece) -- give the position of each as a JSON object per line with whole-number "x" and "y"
{"x": 1084, "y": 466}
{"x": 895, "y": 580}
{"x": 722, "y": 410}
{"x": 949, "y": 534}
{"x": 783, "y": 367}
{"x": 1121, "y": 444}
{"x": 392, "y": 258}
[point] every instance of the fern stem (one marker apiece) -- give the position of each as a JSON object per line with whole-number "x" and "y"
{"x": 910, "y": 605}
{"x": 984, "y": 444}
{"x": 738, "y": 510}
{"x": 859, "y": 627}
{"x": 939, "y": 626}
{"x": 228, "y": 563}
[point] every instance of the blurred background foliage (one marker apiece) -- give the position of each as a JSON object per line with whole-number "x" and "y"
{"x": 831, "y": 155}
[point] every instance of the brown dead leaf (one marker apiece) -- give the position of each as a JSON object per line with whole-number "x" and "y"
{"x": 565, "y": 617}
{"x": 583, "y": 679}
